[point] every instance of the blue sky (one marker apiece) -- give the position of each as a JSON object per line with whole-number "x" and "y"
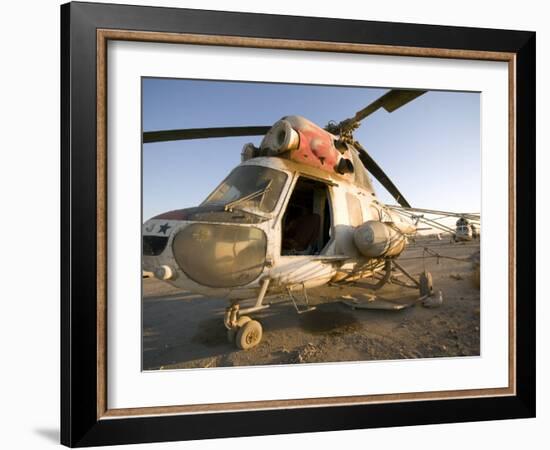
{"x": 430, "y": 147}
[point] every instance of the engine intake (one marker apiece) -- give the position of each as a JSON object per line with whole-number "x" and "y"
{"x": 281, "y": 138}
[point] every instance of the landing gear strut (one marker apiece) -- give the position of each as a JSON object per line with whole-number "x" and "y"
{"x": 424, "y": 284}
{"x": 241, "y": 329}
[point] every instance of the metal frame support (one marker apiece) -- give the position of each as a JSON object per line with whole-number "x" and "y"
{"x": 258, "y": 306}
{"x": 409, "y": 276}
{"x": 233, "y": 312}
{"x": 306, "y": 300}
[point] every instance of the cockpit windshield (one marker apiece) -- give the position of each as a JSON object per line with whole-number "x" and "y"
{"x": 249, "y": 187}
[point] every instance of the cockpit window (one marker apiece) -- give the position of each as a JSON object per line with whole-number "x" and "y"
{"x": 249, "y": 187}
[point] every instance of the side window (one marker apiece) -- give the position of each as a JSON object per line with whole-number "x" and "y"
{"x": 354, "y": 210}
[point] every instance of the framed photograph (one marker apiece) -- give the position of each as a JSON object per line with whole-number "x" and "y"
{"x": 278, "y": 224}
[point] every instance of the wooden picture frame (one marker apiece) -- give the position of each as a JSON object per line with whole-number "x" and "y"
{"x": 86, "y": 418}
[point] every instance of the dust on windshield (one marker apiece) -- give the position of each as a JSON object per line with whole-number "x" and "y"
{"x": 249, "y": 187}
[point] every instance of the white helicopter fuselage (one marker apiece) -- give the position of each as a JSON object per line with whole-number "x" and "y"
{"x": 336, "y": 258}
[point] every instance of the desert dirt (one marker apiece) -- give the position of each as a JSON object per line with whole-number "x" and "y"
{"x": 185, "y": 330}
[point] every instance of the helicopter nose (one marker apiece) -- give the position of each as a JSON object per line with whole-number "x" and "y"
{"x": 156, "y": 234}
{"x": 220, "y": 255}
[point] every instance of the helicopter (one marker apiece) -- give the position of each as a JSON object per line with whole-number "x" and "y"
{"x": 465, "y": 230}
{"x": 298, "y": 212}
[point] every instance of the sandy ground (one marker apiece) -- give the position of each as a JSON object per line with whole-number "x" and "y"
{"x": 183, "y": 330}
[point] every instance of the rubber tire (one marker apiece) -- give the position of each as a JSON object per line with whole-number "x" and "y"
{"x": 249, "y": 335}
{"x": 426, "y": 284}
{"x": 231, "y": 333}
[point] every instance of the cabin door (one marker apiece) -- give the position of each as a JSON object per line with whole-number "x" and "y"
{"x": 307, "y": 222}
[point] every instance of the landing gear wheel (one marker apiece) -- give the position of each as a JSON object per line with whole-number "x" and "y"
{"x": 249, "y": 335}
{"x": 426, "y": 284}
{"x": 231, "y": 333}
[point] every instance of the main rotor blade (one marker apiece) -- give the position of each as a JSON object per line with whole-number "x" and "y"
{"x": 377, "y": 172}
{"x": 390, "y": 101}
{"x": 470, "y": 216}
{"x": 202, "y": 133}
